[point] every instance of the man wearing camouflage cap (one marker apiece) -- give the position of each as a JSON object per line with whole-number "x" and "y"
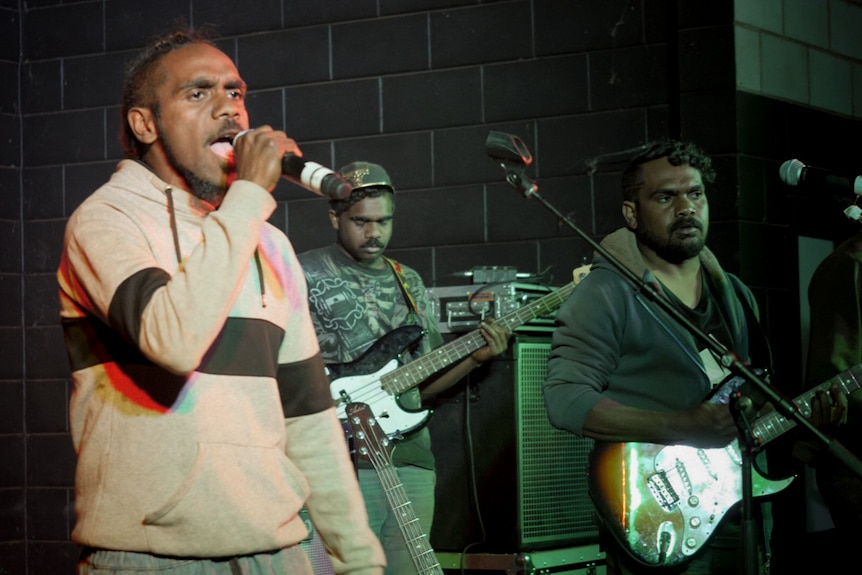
{"x": 357, "y": 296}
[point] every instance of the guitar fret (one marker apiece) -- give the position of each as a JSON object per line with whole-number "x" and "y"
{"x": 774, "y": 424}
{"x": 417, "y": 371}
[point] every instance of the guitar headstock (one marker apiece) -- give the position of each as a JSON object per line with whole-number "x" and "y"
{"x": 369, "y": 440}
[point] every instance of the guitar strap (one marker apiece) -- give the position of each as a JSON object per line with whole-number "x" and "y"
{"x": 758, "y": 345}
{"x": 405, "y": 287}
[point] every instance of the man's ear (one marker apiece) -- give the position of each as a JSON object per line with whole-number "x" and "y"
{"x": 143, "y": 124}
{"x": 333, "y": 219}
{"x": 630, "y": 214}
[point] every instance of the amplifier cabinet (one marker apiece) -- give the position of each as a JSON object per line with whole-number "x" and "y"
{"x": 506, "y": 479}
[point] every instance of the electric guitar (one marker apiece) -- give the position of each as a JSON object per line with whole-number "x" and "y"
{"x": 375, "y": 378}
{"x": 371, "y": 444}
{"x": 663, "y": 502}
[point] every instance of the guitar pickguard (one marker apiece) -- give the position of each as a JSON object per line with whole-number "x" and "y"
{"x": 360, "y": 382}
{"x": 388, "y": 347}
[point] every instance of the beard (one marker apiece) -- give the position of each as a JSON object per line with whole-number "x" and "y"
{"x": 201, "y": 188}
{"x": 673, "y": 249}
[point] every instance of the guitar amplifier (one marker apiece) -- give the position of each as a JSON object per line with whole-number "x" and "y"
{"x": 507, "y": 480}
{"x": 459, "y": 309}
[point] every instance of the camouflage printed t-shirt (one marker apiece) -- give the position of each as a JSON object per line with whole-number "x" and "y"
{"x": 353, "y": 306}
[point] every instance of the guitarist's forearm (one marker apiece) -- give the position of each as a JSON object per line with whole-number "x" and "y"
{"x": 449, "y": 378}
{"x": 707, "y": 425}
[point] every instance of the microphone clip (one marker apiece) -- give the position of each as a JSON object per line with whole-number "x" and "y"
{"x": 513, "y": 156}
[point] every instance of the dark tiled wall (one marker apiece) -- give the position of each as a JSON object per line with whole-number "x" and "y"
{"x": 415, "y": 85}
{"x": 12, "y": 399}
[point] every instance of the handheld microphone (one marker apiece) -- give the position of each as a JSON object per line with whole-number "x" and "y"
{"x": 795, "y": 173}
{"x": 311, "y": 175}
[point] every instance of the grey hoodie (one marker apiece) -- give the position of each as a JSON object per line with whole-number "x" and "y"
{"x": 612, "y": 342}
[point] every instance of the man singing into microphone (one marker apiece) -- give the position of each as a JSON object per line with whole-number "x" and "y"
{"x": 201, "y": 412}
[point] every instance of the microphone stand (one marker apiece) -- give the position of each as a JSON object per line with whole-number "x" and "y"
{"x": 739, "y": 404}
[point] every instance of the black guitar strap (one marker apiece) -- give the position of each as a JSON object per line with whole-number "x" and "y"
{"x": 758, "y": 345}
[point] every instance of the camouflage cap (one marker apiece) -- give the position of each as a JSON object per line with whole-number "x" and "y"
{"x": 366, "y": 175}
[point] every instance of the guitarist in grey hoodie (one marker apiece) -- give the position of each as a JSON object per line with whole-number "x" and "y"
{"x": 625, "y": 373}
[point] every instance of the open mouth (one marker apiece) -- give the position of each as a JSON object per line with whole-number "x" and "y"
{"x": 223, "y": 148}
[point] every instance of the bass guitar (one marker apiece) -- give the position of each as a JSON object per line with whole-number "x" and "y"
{"x": 375, "y": 377}
{"x": 371, "y": 444}
{"x": 663, "y": 502}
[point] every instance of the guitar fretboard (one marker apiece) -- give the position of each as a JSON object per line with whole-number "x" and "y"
{"x": 774, "y": 424}
{"x": 415, "y": 372}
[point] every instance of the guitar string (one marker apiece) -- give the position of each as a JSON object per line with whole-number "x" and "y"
{"x": 774, "y": 424}
{"x": 473, "y": 341}
{"x": 411, "y": 530}
{"x": 415, "y": 372}
{"x": 413, "y": 535}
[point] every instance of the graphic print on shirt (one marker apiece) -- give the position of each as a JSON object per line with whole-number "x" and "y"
{"x": 351, "y": 323}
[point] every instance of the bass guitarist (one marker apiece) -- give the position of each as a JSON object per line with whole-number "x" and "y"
{"x": 357, "y": 296}
{"x": 622, "y": 370}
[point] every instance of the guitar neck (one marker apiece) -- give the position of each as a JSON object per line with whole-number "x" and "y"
{"x": 417, "y": 371}
{"x": 375, "y": 447}
{"x": 774, "y": 424}
{"x": 417, "y": 542}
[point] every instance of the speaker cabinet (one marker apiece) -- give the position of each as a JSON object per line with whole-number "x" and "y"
{"x": 506, "y": 479}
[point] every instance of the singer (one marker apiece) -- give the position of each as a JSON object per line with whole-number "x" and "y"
{"x": 201, "y": 413}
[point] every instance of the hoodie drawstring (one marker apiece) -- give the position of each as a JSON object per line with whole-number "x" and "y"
{"x": 260, "y": 277}
{"x": 176, "y": 235}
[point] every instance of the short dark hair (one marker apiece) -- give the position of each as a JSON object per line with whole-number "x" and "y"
{"x": 140, "y": 80}
{"x": 359, "y": 194}
{"x": 677, "y": 153}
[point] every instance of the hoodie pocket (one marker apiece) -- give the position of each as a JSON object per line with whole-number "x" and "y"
{"x": 236, "y": 499}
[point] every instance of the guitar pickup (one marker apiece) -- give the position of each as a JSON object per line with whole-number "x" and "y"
{"x": 663, "y": 492}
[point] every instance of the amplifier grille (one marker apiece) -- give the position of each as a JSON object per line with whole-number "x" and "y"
{"x": 553, "y": 501}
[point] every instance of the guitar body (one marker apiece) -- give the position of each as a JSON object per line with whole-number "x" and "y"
{"x": 662, "y": 502}
{"x": 360, "y": 381}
